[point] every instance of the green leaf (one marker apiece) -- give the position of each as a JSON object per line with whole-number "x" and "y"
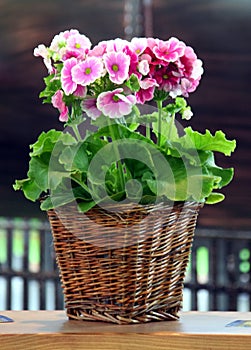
{"x": 65, "y": 193}
{"x": 75, "y": 158}
{"x": 85, "y": 206}
{"x": 198, "y": 148}
{"x": 46, "y": 172}
{"x": 148, "y": 199}
{"x": 160, "y": 95}
{"x": 177, "y": 106}
{"x": 18, "y": 185}
{"x": 226, "y": 175}
{"x": 133, "y": 83}
{"x": 133, "y": 190}
{"x": 193, "y": 188}
{"x": 210, "y": 168}
{"x": 53, "y": 84}
{"x": 29, "y": 188}
{"x": 38, "y": 171}
{"x": 148, "y": 118}
{"x": 183, "y": 182}
{"x": 56, "y": 177}
{"x": 208, "y": 142}
{"x": 200, "y": 186}
{"x": 46, "y": 204}
{"x": 214, "y": 198}
{"x": 94, "y": 143}
{"x": 56, "y": 201}
{"x": 47, "y": 141}
{"x": 169, "y": 131}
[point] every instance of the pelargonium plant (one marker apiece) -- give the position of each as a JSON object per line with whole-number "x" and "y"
{"x": 118, "y": 101}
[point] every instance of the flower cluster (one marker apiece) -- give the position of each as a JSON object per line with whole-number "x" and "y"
{"x": 115, "y": 75}
{"x": 132, "y": 153}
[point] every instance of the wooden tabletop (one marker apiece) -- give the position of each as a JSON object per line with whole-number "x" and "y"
{"x": 51, "y": 330}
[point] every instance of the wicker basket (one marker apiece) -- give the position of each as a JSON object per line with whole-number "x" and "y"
{"x": 125, "y": 266}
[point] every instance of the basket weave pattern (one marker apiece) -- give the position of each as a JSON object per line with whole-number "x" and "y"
{"x": 127, "y": 266}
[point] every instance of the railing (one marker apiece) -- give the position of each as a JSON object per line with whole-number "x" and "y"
{"x": 28, "y": 272}
{"x": 218, "y": 276}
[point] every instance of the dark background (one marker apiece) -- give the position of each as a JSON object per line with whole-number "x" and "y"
{"x": 219, "y": 31}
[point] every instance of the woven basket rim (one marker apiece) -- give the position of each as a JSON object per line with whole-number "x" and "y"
{"x": 132, "y": 205}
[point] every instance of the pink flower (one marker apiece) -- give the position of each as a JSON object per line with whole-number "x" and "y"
{"x": 167, "y": 77}
{"x": 197, "y": 70}
{"x": 114, "y": 104}
{"x": 187, "y": 114}
{"x": 77, "y": 46}
{"x": 146, "y": 92}
{"x": 146, "y": 57}
{"x": 143, "y": 67}
{"x": 192, "y": 70}
{"x": 190, "y": 64}
{"x": 138, "y": 45}
{"x": 152, "y": 42}
{"x": 58, "y": 42}
{"x": 116, "y": 45}
{"x": 89, "y": 105}
{"x": 98, "y": 50}
{"x": 133, "y": 61}
{"x": 86, "y": 72}
{"x": 42, "y": 51}
{"x": 68, "y": 44}
{"x": 187, "y": 61}
{"x": 79, "y": 42}
{"x": 188, "y": 86}
{"x": 169, "y": 51}
{"x": 67, "y": 33}
{"x": 58, "y": 45}
{"x": 80, "y": 91}
{"x": 57, "y": 102}
{"x": 149, "y": 55}
{"x": 68, "y": 85}
{"x": 177, "y": 91}
{"x": 117, "y": 65}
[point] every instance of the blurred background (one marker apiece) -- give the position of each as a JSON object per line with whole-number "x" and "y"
{"x": 220, "y": 32}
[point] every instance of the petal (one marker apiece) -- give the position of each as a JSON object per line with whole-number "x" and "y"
{"x": 68, "y": 85}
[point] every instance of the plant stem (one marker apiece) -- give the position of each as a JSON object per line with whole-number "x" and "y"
{"x": 82, "y": 184}
{"x": 136, "y": 111}
{"x": 159, "y": 105}
{"x": 76, "y": 132}
{"x": 148, "y": 131}
{"x": 114, "y": 137}
{"x": 171, "y": 126}
{"x": 74, "y": 121}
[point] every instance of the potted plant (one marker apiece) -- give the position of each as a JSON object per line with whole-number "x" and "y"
{"x": 124, "y": 181}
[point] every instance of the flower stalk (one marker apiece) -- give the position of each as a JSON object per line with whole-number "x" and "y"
{"x": 171, "y": 126}
{"x": 115, "y": 139}
{"x": 159, "y": 105}
{"x": 76, "y": 132}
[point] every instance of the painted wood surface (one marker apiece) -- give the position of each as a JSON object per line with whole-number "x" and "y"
{"x": 35, "y": 330}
